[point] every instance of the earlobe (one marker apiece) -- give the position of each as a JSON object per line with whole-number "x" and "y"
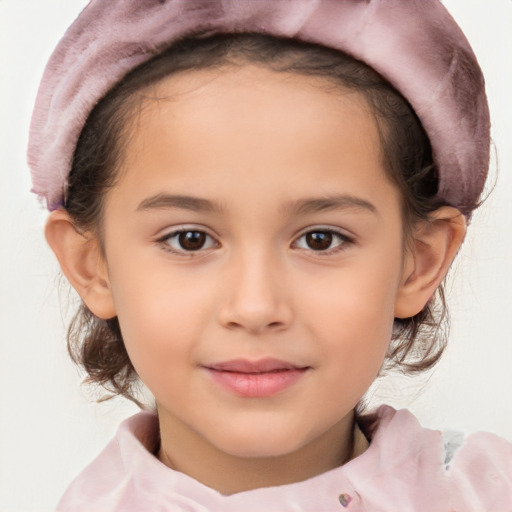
{"x": 81, "y": 262}
{"x": 435, "y": 244}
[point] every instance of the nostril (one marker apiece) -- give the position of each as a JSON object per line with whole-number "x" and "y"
{"x": 254, "y": 314}
{"x": 260, "y": 327}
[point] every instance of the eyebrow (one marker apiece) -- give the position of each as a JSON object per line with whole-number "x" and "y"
{"x": 301, "y": 207}
{"x": 338, "y": 202}
{"x": 167, "y": 201}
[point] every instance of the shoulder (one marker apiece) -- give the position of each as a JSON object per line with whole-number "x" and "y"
{"x": 108, "y": 483}
{"x": 470, "y": 472}
{"x": 481, "y": 472}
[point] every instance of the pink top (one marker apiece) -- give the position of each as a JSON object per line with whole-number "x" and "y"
{"x": 403, "y": 470}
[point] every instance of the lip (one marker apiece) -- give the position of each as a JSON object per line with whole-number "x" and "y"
{"x": 256, "y": 379}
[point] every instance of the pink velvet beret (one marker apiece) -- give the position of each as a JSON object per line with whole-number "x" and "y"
{"x": 414, "y": 44}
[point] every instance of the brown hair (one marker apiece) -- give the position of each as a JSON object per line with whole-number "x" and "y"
{"x": 97, "y": 344}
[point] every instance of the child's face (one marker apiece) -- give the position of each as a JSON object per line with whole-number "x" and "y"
{"x": 253, "y": 222}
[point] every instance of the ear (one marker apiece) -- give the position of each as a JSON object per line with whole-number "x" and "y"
{"x": 435, "y": 243}
{"x": 81, "y": 261}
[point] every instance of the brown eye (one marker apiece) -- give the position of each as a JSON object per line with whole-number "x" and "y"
{"x": 322, "y": 240}
{"x": 319, "y": 240}
{"x": 192, "y": 240}
{"x": 187, "y": 241}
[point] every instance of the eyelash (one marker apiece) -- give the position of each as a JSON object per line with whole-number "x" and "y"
{"x": 342, "y": 241}
{"x": 165, "y": 240}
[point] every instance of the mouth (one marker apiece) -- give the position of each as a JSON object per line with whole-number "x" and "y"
{"x": 256, "y": 379}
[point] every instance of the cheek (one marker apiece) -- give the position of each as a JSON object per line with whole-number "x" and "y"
{"x": 352, "y": 312}
{"x": 353, "y": 303}
{"x": 158, "y": 314}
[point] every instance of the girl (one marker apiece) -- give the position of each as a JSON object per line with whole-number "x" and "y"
{"x": 250, "y": 213}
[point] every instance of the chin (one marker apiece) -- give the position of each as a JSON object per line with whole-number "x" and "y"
{"x": 256, "y": 450}
{"x": 258, "y": 443}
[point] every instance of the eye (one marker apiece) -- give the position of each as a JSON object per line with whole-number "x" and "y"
{"x": 188, "y": 240}
{"x": 322, "y": 240}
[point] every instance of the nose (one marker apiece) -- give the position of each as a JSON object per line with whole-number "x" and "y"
{"x": 255, "y": 297}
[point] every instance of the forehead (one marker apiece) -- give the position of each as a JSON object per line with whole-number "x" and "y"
{"x": 249, "y": 126}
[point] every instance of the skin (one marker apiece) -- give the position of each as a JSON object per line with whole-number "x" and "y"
{"x": 263, "y": 159}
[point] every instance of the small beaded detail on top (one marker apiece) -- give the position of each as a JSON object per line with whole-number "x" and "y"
{"x": 345, "y": 499}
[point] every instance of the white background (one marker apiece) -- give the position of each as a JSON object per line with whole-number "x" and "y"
{"x": 50, "y": 427}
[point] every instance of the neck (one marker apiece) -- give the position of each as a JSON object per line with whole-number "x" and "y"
{"x": 186, "y": 451}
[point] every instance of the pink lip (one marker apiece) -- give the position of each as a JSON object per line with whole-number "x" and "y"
{"x": 255, "y": 379}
